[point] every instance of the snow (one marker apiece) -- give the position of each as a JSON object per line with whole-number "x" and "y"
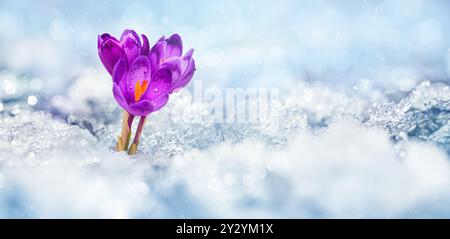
{"x": 49, "y": 168}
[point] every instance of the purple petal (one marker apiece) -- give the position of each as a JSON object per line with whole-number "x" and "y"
{"x": 174, "y": 46}
{"x": 139, "y": 71}
{"x": 188, "y": 67}
{"x": 146, "y": 45}
{"x": 130, "y": 34}
{"x": 120, "y": 77}
{"x": 101, "y": 39}
{"x": 99, "y": 42}
{"x": 172, "y": 70}
{"x": 186, "y": 60}
{"x": 188, "y": 54}
{"x": 118, "y": 95}
{"x": 163, "y": 38}
{"x": 185, "y": 78}
{"x": 131, "y": 44}
{"x": 110, "y": 51}
{"x": 159, "y": 102}
{"x": 119, "y": 71}
{"x": 159, "y": 85}
{"x": 156, "y": 55}
{"x": 145, "y": 107}
{"x": 141, "y": 108}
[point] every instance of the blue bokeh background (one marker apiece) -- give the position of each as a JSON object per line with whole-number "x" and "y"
{"x": 390, "y": 44}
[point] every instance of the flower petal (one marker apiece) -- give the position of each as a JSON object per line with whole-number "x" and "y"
{"x": 130, "y": 34}
{"x": 174, "y": 46}
{"x": 139, "y": 71}
{"x": 141, "y": 108}
{"x": 188, "y": 68}
{"x": 119, "y": 71}
{"x": 163, "y": 38}
{"x": 159, "y": 85}
{"x": 118, "y": 95}
{"x": 156, "y": 55}
{"x": 101, "y": 39}
{"x": 145, "y": 46}
{"x": 110, "y": 51}
{"x": 172, "y": 69}
{"x": 185, "y": 78}
{"x": 186, "y": 60}
{"x": 145, "y": 107}
{"x": 159, "y": 102}
{"x": 120, "y": 74}
{"x": 131, "y": 44}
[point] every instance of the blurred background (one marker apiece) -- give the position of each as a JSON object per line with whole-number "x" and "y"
{"x": 389, "y": 46}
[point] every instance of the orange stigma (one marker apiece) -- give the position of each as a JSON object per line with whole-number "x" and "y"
{"x": 139, "y": 89}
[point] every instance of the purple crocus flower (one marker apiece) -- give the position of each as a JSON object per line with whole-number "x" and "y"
{"x": 167, "y": 62}
{"x": 128, "y": 47}
{"x": 143, "y": 78}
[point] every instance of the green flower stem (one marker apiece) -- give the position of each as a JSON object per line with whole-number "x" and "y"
{"x": 137, "y": 136}
{"x": 124, "y": 138}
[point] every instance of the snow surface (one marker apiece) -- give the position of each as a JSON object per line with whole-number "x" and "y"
{"x": 362, "y": 115}
{"x": 350, "y": 168}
